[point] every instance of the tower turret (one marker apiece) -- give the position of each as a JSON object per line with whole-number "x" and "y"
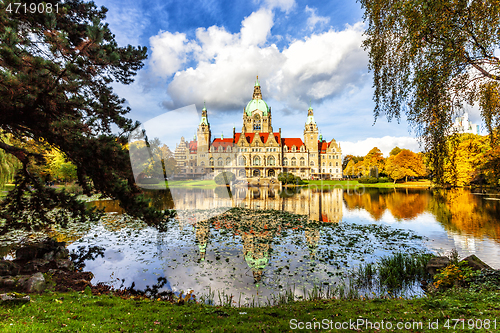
{"x": 311, "y": 132}
{"x": 203, "y": 133}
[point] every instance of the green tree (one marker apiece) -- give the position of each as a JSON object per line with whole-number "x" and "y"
{"x": 9, "y": 164}
{"x": 396, "y": 150}
{"x": 224, "y": 178}
{"x": 59, "y": 167}
{"x": 56, "y": 69}
{"x": 428, "y": 57}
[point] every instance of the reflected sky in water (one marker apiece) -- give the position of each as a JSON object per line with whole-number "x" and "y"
{"x": 258, "y": 257}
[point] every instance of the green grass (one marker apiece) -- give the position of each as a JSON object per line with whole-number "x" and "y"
{"x": 78, "y": 312}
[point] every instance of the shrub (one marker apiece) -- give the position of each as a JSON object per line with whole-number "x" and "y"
{"x": 454, "y": 275}
{"x": 289, "y": 178}
{"x": 383, "y": 180}
{"x": 367, "y": 180}
{"x": 224, "y": 178}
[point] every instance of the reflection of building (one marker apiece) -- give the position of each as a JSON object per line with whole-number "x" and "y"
{"x": 463, "y": 125}
{"x": 258, "y": 151}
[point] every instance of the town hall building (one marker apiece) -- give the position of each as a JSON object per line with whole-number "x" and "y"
{"x": 258, "y": 151}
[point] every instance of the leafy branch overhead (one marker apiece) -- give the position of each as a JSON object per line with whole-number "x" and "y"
{"x": 429, "y": 58}
{"x": 55, "y": 76}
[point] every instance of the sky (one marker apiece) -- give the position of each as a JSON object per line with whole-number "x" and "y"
{"x": 304, "y": 52}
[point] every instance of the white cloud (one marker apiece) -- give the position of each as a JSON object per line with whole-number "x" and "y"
{"x": 170, "y": 52}
{"x": 315, "y": 19}
{"x": 256, "y": 27}
{"x": 318, "y": 67}
{"x": 385, "y": 144}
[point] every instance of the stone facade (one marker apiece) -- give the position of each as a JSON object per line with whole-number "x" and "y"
{"x": 258, "y": 151}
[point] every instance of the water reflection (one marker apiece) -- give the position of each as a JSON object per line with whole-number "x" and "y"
{"x": 240, "y": 254}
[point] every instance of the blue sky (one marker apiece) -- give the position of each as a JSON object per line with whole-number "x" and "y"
{"x": 303, "y": 51}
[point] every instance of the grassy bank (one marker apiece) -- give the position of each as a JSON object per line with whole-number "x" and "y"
{"x": 53, "y": 312}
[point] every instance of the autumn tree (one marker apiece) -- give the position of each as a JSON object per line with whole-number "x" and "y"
{"x": 405, "y": 164}
{"x": 373, "y": 163}
{"x": 430, "y": 57}
{"x": 350, "y": 169}
{"x": 350, "y": 157}
{"x": 56, "y": 70}
{"x": 468, "y": 153}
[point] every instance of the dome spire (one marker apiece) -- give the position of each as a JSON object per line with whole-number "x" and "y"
{"x": 256, "y": 90}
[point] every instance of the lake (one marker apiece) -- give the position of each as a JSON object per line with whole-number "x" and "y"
{"x": 253, "y": 256}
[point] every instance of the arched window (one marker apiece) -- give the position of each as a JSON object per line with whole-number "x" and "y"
{"x": 221, "y": 148}
{"x": 302, "y": 148}
{"x": 271, "y": 161}
{"x": 324, "y": 163}
{"x": 211, "y": 162}
{"x": 228, "y": 161}
{"x": 212, "y": 149}
{"x": 293, "y": 149}
{"x": 202, "y": 163}
{"x": 285, "y": 161}
{"x": 330, "y": 163}
{"x": 243, "y": 173}
{"x": 294, "y": 161}
{"x": 220, "y": 162}
{"x": 256, "y": 160}
{"x": 312, "y": 163}
{"x": 285, "y": 149}
{"x": 337, "y": 170}
{"x": 242, "y": 160}
{"x": 336, "y": 163}
{"x": 228, "y": 149}
{"x": 302, "y": 162}
{"x": 330, "y": 170}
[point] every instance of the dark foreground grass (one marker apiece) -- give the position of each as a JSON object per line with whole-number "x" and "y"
{"x": 79, "y": 312}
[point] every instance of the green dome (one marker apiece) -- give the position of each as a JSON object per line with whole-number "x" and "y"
{"x": 255, "y": 104}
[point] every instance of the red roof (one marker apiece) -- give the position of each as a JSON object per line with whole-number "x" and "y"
{"x": 193, "y": 146}
{"x": 222, "y": 142}
{"x": 289, "y": 142}
{"x": 236, "y": 137}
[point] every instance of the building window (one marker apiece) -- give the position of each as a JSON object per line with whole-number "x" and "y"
{"x": 312, "y": 163}
{"x": 293, "y": 149}
{"x": 330, "y": 163}
{"x": 271, "y": 161}
{"x": 324, "y": 164}
{"x": 285, "y": 149}
{"x": 330, "y": 170}
{"x": 294, "y": 161}
{"x": 242, "y": 173}
{"x": 228, "y": 161}
{"x": 337, "y": 170}
{"x": 202, "y": 163}
{"x": 285, "y": 161}
{"x": 220, "y": 162}
{"x": 302, "y": 148}
{"x": 242, "y": 160}
{"x": 228, "y": 149}
{"x": 336, "y": 163}
{"x": 302, "y": 162}
{"x": 211, "y": 161}
{"x": 256, "y": 160}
